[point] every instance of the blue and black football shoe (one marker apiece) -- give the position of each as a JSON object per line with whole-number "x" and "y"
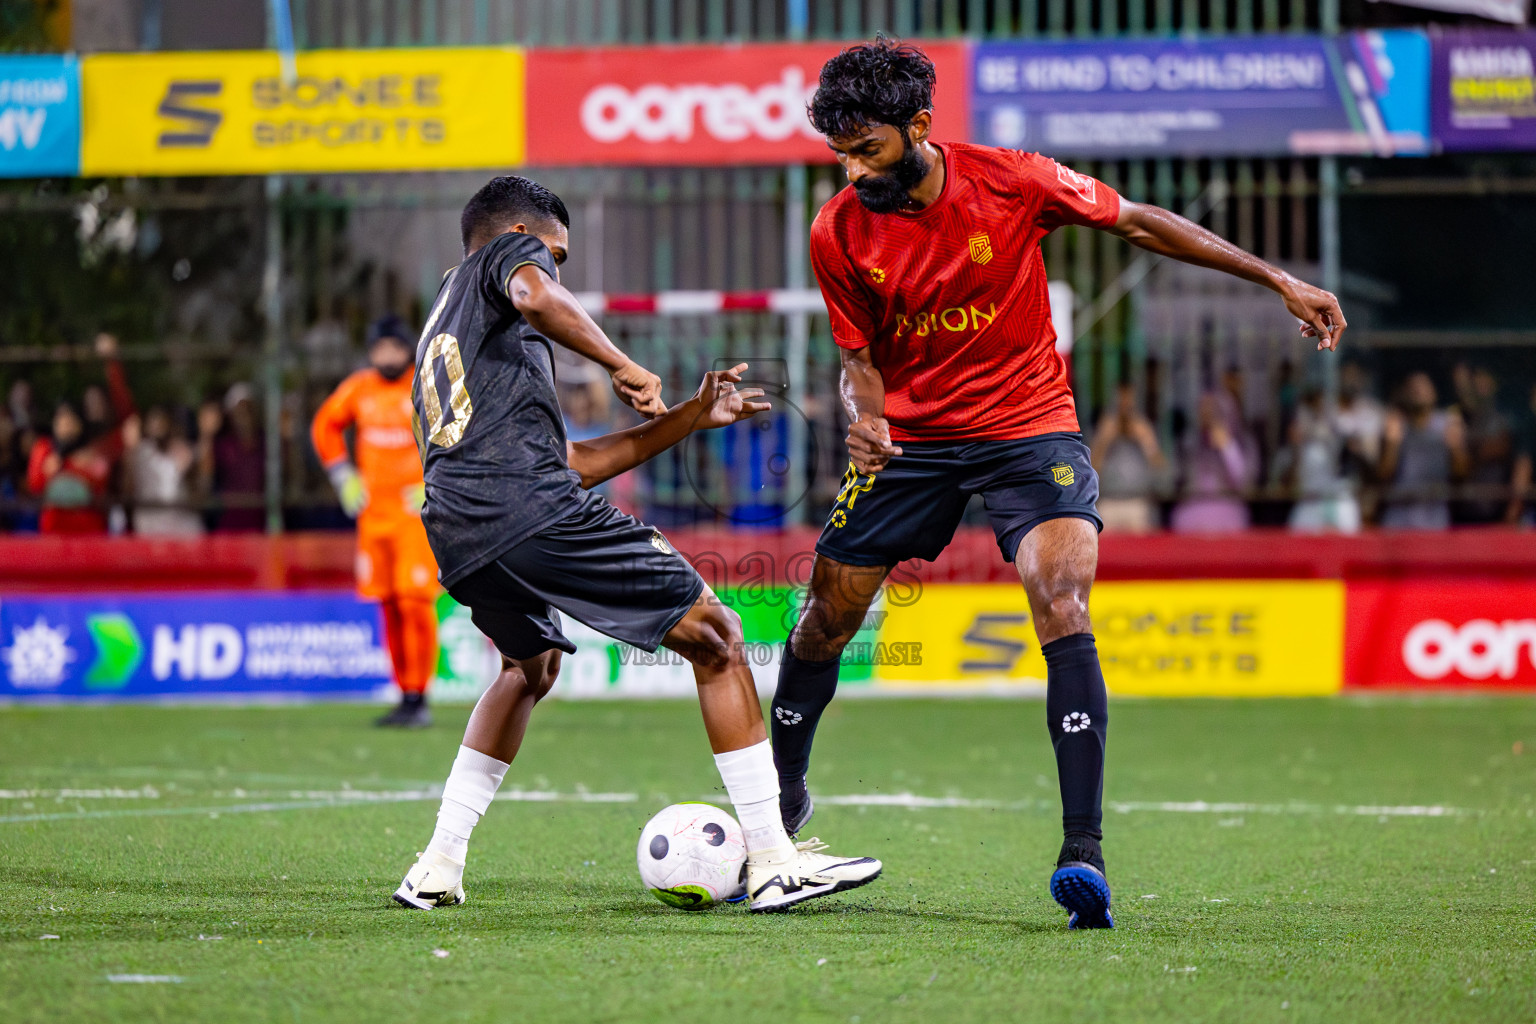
{"x": 1079, "y": 884}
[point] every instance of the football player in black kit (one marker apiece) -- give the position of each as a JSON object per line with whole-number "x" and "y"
{"x": 519, "y": 539}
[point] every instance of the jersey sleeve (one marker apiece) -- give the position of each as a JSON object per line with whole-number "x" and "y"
{"x": 335, "y": 415}
{"x": 513, "y": 251}
{"x": 1067, "y": 197}
{"x": 848, "y": 302}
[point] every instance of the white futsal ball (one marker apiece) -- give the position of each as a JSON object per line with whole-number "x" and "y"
{"x": 692, "y": 856}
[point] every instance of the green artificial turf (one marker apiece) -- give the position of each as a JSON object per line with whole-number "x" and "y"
{"x": 251, "y": 853}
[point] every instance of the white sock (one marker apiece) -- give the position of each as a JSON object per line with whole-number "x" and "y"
{"x": 753, "y": 786}
{"x": 470, "y": 788}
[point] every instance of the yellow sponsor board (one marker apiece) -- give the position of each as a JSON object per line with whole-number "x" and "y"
{"x": 346, "y": 110}
{"x": 1219, "y": 638}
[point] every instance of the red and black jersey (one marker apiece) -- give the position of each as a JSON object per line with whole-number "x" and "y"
{"x": 952, "y": 298}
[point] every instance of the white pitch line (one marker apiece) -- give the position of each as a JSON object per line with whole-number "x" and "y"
{"x": 310, "y": 799}
{"x": 142, "y": 793}
{"x": 339, "y": 798}
{"x": 1357, "y": 810}
{"x": 145, "y": 979}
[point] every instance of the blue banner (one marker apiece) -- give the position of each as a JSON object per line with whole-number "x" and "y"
{"x": 190, "y": 644}
{"x": 1365, "y": 92}
{"x": 39, "y": 117}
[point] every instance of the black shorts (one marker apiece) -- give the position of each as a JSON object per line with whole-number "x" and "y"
{"x": 598, "y": 565}
{"x": 911, "y": 507}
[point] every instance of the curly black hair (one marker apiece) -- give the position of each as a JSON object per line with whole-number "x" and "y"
{"x": 507, "y": 200}
{"x": 883, "y": 82}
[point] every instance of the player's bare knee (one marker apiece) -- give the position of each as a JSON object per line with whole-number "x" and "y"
{"x": 1061, "y": 610}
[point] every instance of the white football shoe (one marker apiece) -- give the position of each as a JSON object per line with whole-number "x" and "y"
{"x": 433, "y": 881}
{"x": 777, "y": 885}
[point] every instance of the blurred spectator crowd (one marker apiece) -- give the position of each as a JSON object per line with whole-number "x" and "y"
{"x": 101, "y": 464}
{"x": 1416, "y": 460}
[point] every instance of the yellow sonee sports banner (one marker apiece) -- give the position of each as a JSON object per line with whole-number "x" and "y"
{"x": 347, "y": 110}
{"x": 1220, "y": 638}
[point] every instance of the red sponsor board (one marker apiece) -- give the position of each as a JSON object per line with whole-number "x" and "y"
{"x": 1429, "y": 633}
{"x": 693, "y": 105}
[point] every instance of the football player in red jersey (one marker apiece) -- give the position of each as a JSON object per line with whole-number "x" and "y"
{"x": 935, "y": 285}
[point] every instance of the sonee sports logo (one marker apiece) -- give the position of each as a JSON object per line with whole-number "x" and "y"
{"x": 787, "y": 716}
{"x": 1077, "y": 721}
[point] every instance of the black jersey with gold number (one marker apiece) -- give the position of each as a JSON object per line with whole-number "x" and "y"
{"x": 488, "y": 421}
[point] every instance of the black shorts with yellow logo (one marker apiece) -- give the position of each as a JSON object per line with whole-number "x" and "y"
{"x": 911, "y": 507}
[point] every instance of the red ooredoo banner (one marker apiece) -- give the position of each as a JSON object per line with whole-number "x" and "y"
{"x": 1408, "y": 633}
{"x": 693, "y": 105}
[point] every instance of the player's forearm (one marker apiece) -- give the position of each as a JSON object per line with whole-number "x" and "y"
{"x": 554, "y": 312}
{"x": 1167, "y": 234}
{"x": 603, "y": 458}
{"x": 862, "y": 388}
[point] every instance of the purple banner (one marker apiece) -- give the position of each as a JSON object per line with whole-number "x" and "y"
{"x": 1364, "y": 92}
{"x": 1484, "y": 90}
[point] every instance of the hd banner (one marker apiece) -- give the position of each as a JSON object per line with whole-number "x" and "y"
{"x": 39, "y": 117}
{"x": 166, "y": 645}
{"x": 1484, "y": 90}
{"x": 346, "y": 110}
{"x": 1363, "y": 92}
{"x": 696, "y": 105}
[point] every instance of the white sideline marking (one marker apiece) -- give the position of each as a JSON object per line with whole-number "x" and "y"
{"x": 1358, "y": 810}
{"x": 306, "y": 799}
{"x": 313, "y": 799}
{"x": 146, "y": 979}
{"x": 142, "y": 793}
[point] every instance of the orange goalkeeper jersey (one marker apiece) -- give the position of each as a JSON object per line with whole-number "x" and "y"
{"x": 386, "y": 454}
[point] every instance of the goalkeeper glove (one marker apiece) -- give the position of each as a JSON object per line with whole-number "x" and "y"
{"x": 349, "y": 488}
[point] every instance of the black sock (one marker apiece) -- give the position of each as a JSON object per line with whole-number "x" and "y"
{"x": 1077, "y": 712}
{"x": 413, "y": 700}
{"x": 805, "y": 690}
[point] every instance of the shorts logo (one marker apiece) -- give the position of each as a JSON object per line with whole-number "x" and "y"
{"x": 877, "y": 275}
{"x": 787, "y": 716}
{"x": 839, "y": 518}
{"x": 981, "y": 249}
{"x": 1062, "y": 474}
{"x": 851, "y": 488}
{"x": 660, "y": 543}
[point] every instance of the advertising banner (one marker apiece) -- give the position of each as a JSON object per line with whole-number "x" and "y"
{"x": 1438, "y": 634}
{"x": 1216, "y": 638}
{"x": 695, "y": 105}
{"x": 39, "y": 116}
{"x": 1229, "y": 638}
{"x": 1363, "y": 92}
{"x": 347, "y": 110}
{"x": 1484, "y": 90}
{"x": 78, "y": 646}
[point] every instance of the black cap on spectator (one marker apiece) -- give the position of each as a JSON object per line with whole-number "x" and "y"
{"x": 389, "y": 326}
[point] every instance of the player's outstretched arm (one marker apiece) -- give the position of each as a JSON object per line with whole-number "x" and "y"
{"x": 1167, "y": 234}
{"x": 553, "y": 311}
{"x": 718, "y": 403}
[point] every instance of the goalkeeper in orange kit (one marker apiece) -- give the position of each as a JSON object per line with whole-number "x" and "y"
{"x": 383, "y": 491}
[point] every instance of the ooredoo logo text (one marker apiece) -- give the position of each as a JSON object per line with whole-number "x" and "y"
{"x": 725, "y": 111}
{"x": 1479, "y": 649}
